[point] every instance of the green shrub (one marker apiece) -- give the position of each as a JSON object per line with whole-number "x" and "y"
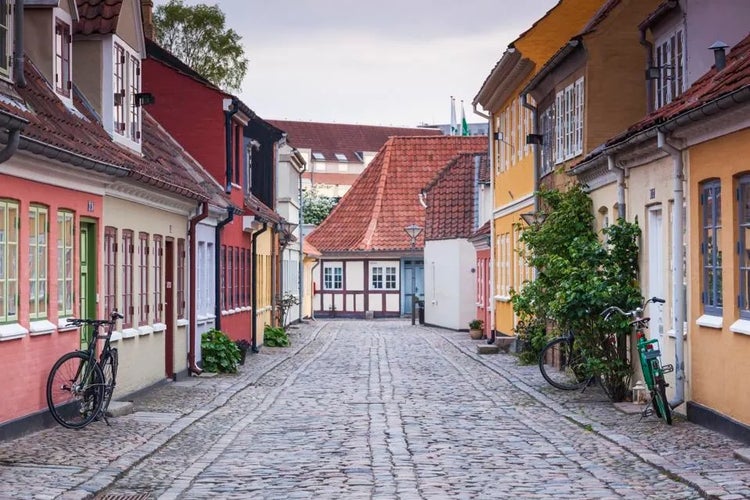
{"x": 220, "y": 354}
{"x": 275, "y": 336}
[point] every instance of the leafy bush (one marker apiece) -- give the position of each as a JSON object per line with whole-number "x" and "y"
{"x": 577, "y": 276}
{"x": 275, "y": 336}
{"x": 220, "y": 354}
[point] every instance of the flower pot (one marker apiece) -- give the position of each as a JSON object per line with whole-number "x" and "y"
{"x": 243, "y": 354}
{"x": 476, "y": 333}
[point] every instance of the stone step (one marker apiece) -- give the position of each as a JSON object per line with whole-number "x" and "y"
{"x": 487, "y": 349}
{"x": 119, "y": 408}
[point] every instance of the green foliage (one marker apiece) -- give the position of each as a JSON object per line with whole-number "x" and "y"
{"x": 315, "y": 208}
{"x": 220, "y": 354}
{"x": 198, "y": 37}
{"x": 577, "y": 276}
{"x": 275, "y": 336}
{"x": 284, "y": 303}
{"x": 476, "y": 324}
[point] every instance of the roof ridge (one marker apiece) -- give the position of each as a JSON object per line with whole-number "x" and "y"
{"x": 378, "y": 205}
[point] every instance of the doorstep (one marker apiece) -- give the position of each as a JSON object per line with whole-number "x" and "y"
{"x": 119, "y": 408}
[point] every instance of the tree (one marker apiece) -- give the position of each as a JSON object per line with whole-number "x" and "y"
{"x": 315, "y": 207}
{"x": 198, "y": 37}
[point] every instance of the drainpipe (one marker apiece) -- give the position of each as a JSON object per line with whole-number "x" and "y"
{"x": 537, "y": 152}
{"x": 301, "y": 277}
{"x": 14, "y": 132}
{"x": 491, "y": 159}
{"x": 217, "y": 267}
{"x": 678, "y": 299}
{"x": 253, "y": 285}
{"x": 620, "y": 172}
{"x": 228, "y": 114}
{"x": 649, "y": 63}
{"x": 312, "y": 297}
{"x": 192, "y": 366}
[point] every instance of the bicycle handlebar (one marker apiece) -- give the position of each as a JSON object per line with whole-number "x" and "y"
{"x": 114, "y": 316}
{"x": 635, "y": 313}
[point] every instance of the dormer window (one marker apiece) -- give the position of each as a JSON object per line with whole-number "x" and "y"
{"x": 669, "y": 56}
{"x": 62, "y": 58}
{"x": 6, "y": 37}
{"x": 126, "y": 85}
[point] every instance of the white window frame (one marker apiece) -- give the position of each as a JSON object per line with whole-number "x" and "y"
{"x": 65, "y": 257}
{"x": 124, "y": 125}
{"x": 63, "y": 77}
{"x": 333, "y": 276}
{"x": 669, "y": 58}
{"x": 387, "y": 272}
{"x": 569, "y": 108}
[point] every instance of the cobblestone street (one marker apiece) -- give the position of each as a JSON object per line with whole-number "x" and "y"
{"x": 374, "y": 409}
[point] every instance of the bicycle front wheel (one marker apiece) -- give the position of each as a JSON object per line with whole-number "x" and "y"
{"x": 660, "y": 402}
{"x": 561, "y": 364}
{"x": 109, "y": 370}
{"x": 74, "y": 390}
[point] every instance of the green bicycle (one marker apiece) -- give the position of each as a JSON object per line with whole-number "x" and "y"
{"x": 650, "y": 358}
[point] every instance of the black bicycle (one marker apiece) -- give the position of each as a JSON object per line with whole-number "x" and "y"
{"x": 80, "y": 386}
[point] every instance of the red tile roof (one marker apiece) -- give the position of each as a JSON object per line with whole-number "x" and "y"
{"x": 452, "y": 198}
{"x": 332, "y": 138}
{"x": 310, "y": 250}
{"x": 484, "y": 230}
{"x": 78, "y": 132}
{"x": 711, "y": 86}
{"x": 97, "y": 16}
{"x": 384, "y": 199}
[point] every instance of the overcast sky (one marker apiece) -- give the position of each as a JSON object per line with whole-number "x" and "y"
{"x": 381, "y": 62}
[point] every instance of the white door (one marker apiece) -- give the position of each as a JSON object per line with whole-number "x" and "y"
{"x": 657, "y": 275}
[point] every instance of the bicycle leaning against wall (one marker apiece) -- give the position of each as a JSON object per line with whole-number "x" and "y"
{"x": 80, "y": 386}
{"x": 650, "y": 358}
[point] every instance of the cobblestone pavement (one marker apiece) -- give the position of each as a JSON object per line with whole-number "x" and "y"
{"x": 374, "y": 409}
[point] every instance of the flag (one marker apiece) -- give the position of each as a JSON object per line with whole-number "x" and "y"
{"x": 454, "y": 127}
{"x": 464, "y": 125}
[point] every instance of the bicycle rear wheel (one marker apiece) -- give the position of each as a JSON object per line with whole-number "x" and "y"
{"x": 660, "y": 402}
{"x": 109, "y": 370}
{"x": 561, "y": 364}
{"x": 75, "y": 390}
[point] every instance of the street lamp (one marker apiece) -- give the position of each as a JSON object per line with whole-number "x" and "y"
{"x": 413, "y": 231}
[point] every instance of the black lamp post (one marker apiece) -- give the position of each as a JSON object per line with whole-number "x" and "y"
{"x": 413, "y": 231}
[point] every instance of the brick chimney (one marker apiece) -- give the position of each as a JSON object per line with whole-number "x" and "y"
{"x": 147, "y": 7}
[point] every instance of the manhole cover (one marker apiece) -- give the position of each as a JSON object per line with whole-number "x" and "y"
{"x": 125, "y": 496}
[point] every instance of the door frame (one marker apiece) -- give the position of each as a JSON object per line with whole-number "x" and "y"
{"x": 169, "y": 300}
{"x": 87, "y": 269}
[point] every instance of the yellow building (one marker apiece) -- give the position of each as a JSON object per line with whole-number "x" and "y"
{"x": 512, "y": 159}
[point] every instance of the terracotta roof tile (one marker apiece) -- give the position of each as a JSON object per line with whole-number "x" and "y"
{"x": 711, "y": 86}
{"x": 482, "y": 231}
{"x": 339, "y": 138}
{"x": 97, "y": 16}
{"x": 77, "y": 131}
{"x": 310, "y": 250}
{"x": 383, "y": 200}
{"x": 451, "y": 198}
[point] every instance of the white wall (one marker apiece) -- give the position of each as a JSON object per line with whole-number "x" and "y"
{"x": 450, "y": 284}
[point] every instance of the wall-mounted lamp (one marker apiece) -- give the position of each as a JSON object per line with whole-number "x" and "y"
{"x": 144, "y": 98}
{"x": 534, "y": 219}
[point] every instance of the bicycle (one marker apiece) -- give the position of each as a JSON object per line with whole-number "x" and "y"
{"x": 650, "y": 358}
{"x": 80, "y": 386}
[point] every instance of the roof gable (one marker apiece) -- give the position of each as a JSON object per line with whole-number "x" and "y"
{"x": 384, "y": 199}
{"x": 452, "y": 198}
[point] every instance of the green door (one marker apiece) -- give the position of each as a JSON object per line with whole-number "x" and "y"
{"x": 87, "y": 254}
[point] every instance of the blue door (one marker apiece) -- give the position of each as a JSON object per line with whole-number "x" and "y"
{"x": 412, "y": 283}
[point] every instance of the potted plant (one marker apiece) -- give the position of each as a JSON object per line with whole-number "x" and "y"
{"x": 476, "y": 328}
{"x": 243, "y": 346}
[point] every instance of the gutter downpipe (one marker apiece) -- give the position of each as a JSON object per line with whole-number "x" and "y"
{"x": 217, "y": 267}
{"x": 228, "y": 114}
{"x": 534, "y": 130}
{"x": 649, "y": 63}
{"x": 253, "y": 287}
{"x": 301, "y": 277}
{"x": 14, "y": 133}
{"x": 620, "y": 172}
{"x": 491, "y": 152}
{"x": 678, "y": 299}
{"x": 192, "y": 366}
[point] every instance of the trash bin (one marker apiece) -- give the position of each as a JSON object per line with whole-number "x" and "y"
{"x": 420, "y": 311}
